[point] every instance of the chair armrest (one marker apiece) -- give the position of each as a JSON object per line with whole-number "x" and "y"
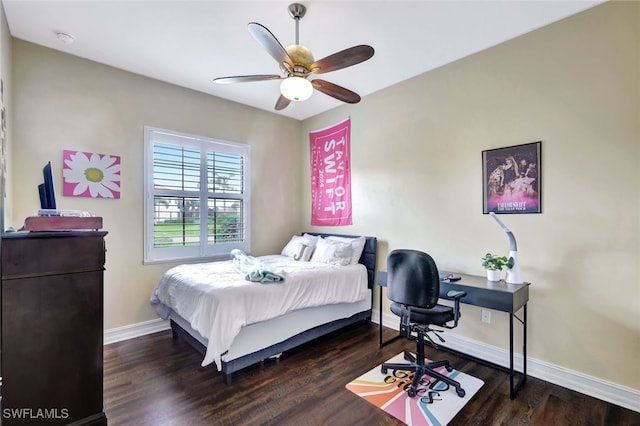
{"x": 456, "y": 296}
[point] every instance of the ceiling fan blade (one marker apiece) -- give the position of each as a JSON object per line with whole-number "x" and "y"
{"x": 343, "y": 59}
{"x": 270, "y": 43}
{"x": 335, "y": 91}
{"x": 246, "y": 78}
{"x": 282, "y": 103}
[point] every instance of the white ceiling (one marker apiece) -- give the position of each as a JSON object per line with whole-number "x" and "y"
{"x": 188, "y": 43}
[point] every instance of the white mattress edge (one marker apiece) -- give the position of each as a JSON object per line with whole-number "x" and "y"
{"x": 257, "y": 336}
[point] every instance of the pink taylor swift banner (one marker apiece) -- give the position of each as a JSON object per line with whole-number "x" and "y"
{"x": 331, "y": 175}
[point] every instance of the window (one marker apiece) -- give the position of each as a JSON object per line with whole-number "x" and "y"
{"x": 196, "y": 200}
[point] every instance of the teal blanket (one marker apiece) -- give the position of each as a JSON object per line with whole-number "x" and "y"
{"x": 253, "y": 269}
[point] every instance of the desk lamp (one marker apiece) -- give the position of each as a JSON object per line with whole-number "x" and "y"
{"x": 513, "y": 273}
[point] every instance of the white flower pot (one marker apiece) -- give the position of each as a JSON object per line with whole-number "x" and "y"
{"x": 493, "y": 274}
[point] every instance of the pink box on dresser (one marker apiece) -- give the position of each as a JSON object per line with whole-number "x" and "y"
{"x": 61, "y": 223}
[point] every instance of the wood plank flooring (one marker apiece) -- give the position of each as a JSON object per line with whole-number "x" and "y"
{"x": 156, "y": 380}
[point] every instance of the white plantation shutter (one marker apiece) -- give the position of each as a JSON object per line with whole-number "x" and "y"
{"x": 196, "y": 196}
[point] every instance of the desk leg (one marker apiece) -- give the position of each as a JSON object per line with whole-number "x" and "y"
{"x": 523, "y": 378}
{"x": 512, "y": 393}
{"x": 380, "y": 312}
{"x": 524, "y": 344}
{"x": 380, "y": 328}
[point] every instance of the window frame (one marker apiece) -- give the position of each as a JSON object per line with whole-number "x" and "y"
{"x": 204, "y": 250}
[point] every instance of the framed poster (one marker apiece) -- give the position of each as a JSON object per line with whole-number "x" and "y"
{"x": 511, "y": 179}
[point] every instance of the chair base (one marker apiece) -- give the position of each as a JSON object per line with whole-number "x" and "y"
{"x": 421, "y": 369}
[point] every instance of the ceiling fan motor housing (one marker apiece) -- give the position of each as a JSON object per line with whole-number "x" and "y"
{"x": 301, "y": 57}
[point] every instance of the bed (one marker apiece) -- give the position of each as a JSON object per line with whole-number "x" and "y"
{"x": 237, "y": 338}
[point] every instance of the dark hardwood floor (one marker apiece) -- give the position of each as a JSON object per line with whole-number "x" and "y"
{"x": 155, "y": 380}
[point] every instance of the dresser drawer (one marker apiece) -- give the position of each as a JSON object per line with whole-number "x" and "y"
{"x": 40, "y": 255}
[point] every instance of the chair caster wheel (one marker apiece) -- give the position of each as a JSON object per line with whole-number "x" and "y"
{"x": 449, "y": 368}
{"x": 461, "y": 393}
{"x": 412, "y": 393}
{"x": 383, "y": 370}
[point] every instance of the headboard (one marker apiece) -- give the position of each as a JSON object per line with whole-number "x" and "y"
{"x": 369, "y": 254}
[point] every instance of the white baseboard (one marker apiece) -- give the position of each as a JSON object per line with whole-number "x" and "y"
{"x": 611, "y": 392}
{"x": 135, "y": 330}
{"x": 607, "y": 391}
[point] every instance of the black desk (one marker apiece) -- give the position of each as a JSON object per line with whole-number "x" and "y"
{"x": 496, "y": 295}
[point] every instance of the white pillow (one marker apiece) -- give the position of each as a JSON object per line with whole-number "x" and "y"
{"x": 332, "y": 252}
{"x": 357, "y": 246}
{"x": 314, "y": 242}
{"x": 313, "y": 238}
{"x": 299, "y": 248}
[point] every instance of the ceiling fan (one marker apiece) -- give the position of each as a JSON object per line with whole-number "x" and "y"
{"x": 297, "y": 64}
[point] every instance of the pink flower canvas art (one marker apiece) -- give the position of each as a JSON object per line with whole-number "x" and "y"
{"x": 92, "y": 175}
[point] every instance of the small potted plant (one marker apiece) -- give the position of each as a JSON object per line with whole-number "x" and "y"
{"x": 494, "y": 264}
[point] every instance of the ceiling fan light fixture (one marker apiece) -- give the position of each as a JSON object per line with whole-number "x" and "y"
{"x": 296, "y": 88}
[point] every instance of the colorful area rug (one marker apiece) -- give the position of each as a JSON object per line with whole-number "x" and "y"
{"x": 435, "y": 405}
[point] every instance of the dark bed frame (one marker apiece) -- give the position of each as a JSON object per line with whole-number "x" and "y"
{"x": 368, "y": 259}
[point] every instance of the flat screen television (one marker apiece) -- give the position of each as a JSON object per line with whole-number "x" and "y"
{"x": 47, "y": 189}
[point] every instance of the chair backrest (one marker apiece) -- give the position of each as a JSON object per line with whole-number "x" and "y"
{"x": 412, "y": 278}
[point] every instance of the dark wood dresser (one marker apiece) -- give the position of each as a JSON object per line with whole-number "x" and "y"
{"x": 51, "y": 358}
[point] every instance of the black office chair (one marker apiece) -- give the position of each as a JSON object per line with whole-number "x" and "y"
{"x": 413, "y": 286}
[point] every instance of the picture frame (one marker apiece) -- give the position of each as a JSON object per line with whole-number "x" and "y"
{"x": 511, "y": 179}
{"x": 87, "y": 174}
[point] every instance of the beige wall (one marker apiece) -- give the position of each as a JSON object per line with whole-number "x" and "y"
{"x": 64, "y": 102}
{"x": 5, "y": 75}
{"x": 416, "y": 171}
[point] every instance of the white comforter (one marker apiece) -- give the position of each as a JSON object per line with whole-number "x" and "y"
{"x": 218, "y": 302}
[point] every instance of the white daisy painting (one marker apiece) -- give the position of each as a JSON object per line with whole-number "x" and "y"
{"x": 90, "y": 175}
